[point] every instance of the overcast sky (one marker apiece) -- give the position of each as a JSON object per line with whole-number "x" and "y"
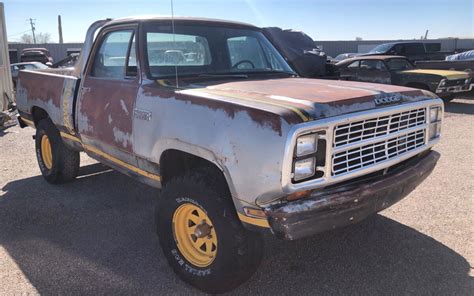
{"x": 321, "y": 19}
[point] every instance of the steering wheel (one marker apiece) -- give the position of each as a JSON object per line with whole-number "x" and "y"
{"x": 236, "y": 65}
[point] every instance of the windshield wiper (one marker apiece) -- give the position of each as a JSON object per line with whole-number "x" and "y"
{"x": 223, "y": 75}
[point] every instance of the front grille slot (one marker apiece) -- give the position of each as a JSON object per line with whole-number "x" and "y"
{"x": 371, "y": 128}
{"x": 455, "y": 82}
{"x": 371, "y": 154}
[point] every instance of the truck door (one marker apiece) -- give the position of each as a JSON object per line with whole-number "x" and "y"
{"x": 107, "y": 97}
{"x": 373, "y": 71}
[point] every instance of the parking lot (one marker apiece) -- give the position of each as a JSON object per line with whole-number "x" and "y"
{"x": 96, "y": 235}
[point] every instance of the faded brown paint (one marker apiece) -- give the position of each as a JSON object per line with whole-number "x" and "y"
{"x": 108, "y": 107}
{"x": 261, "y": 117}
{"x": 43, "y": 88}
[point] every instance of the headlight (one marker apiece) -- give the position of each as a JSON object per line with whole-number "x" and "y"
{"x": 443, "y": 82}
{"x": 306, "y": 144}
{"x": 304, "y": 168}
{"x": 435, "y": 122}
{"x": 466, "y": 81}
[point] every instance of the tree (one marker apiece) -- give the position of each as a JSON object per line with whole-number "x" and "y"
{"x": 40, "y": 38}
{"x": 358, "y": 38}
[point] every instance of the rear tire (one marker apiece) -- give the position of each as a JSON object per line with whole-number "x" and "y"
{"x": 58, "y": 163}
{"x": 237, "y": 252}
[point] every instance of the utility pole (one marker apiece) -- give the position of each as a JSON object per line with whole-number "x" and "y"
{"x": 32, "y": 23}
{"x": 60, "y": 30}
{"x": 426, "y": 34}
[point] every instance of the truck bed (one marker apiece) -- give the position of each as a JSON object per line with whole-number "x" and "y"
{"x": 48, "y": 91}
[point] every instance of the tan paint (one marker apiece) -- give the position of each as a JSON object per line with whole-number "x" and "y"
{"x": 450, "y": 75}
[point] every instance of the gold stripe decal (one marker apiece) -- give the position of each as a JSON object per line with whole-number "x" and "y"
{"x": 254, "y": 221}
{"x": 297, "y": 111}
{"x": 70, "y": 137}
{"x": 28, "y": 122}
{"x": 113, "y": 159}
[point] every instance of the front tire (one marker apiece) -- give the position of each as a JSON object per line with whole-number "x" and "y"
{"x": 202, "y": 237}
{"x": 58, "y": 163}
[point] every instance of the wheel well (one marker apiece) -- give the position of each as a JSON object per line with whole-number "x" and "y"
{"x": 418, "y": 85}
{"x": 175, "y": 163}
{"x": 38, "y": 114}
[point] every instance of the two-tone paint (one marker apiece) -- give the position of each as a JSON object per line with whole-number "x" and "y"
{"x": 245, "y": 128}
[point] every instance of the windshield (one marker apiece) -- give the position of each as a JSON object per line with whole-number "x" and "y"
{"x": 382, "y": 48}
{"x": 399, "y": 65}
{"x": 200, "y": 50}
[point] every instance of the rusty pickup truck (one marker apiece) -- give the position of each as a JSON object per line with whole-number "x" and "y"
{"x": 210, "y": 112}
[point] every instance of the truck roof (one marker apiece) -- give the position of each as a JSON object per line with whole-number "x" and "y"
{"x": 144, "y": 18}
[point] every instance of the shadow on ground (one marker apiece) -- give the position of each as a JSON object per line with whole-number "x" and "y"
{"x": 96, "y": 235}
{"x": 460, "y": 107}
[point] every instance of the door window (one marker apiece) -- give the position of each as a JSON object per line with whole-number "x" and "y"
{"x": 353, "y": 65}
{"x": 112, "y": 58}
{"x": 372, "y": 65}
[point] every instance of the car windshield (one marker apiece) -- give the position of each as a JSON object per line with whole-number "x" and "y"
{"x": 382, "y": 48}
{"x": 399, "y": 64}
{"x": 203, "y": 50}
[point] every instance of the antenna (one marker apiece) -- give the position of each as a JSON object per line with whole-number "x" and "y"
{"x": 174, "y": 43}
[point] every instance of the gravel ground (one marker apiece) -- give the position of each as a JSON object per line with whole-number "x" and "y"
{"x": 96, "y": 235}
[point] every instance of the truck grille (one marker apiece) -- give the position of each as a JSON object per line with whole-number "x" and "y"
{"x": 351, "y": 155}
{"x": 374, "y": 127}
{"x": 455, "y": 82}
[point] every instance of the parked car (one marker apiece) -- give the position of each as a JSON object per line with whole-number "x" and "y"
{"x": 414, "y": 51}
{"x": 238, "y": 144}
{"x": 398, "y": 70}
{"x": 41, "y": 55}
{"x": 15, "y": 69}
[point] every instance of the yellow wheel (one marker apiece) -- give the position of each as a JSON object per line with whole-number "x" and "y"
{"x": 195, "y": 235}
{"x": 46, "y": 152}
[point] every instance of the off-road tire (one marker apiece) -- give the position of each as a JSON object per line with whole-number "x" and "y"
{"x": 239, "y": 251}
{"x": 65, "y": 162}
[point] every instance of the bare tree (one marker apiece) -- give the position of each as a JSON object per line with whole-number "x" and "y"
{"x": 359, "y": 39}
{"x": 40, "y": 38}
{"x": 26, "y": 38}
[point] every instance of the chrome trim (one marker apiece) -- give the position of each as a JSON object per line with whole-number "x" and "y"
{"x": 329, "y": 124}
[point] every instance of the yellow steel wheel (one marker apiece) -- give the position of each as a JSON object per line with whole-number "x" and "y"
{"x": 46, "y": 152}
{"x": 195, "y": 235}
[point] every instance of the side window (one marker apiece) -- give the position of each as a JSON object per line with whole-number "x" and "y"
{"x": 245, "y": 52}
{"x": 372, "y": 65}
{"x": 414, "y": 48}
{"x": 399, "y": 49}
{"x": 353, "y": 65}
{"x": 110, "y": 60}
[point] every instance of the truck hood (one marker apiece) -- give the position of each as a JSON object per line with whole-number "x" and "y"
{"x": 448, "y": 74}
{"x": 307, "y": 99}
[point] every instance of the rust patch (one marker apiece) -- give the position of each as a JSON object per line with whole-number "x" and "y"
{"x": 46, "y": 88}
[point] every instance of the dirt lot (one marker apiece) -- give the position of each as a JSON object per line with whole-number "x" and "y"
{"x": 96, "y": 235}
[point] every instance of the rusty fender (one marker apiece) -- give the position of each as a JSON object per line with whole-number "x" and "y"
{"x": 347, "y": 204}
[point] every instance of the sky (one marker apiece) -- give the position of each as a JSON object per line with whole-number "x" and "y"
{"x": 321, "y": 19}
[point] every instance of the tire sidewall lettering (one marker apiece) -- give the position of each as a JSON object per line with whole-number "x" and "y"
{"x": 188, "y": 268}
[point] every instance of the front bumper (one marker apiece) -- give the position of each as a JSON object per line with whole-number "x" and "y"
{"x": 339, "y": 206}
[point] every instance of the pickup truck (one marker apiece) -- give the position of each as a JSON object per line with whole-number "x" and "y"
{"x": 414, "y": 51}
{"x": 210, "y": 112}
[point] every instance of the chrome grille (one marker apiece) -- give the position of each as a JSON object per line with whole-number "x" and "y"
{"x": 371, "y": 154}
{"x": 379, "y": 126}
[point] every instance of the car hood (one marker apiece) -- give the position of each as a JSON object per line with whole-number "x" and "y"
{"x": 450, "y": 75}
{"x": 307, "y": 99}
